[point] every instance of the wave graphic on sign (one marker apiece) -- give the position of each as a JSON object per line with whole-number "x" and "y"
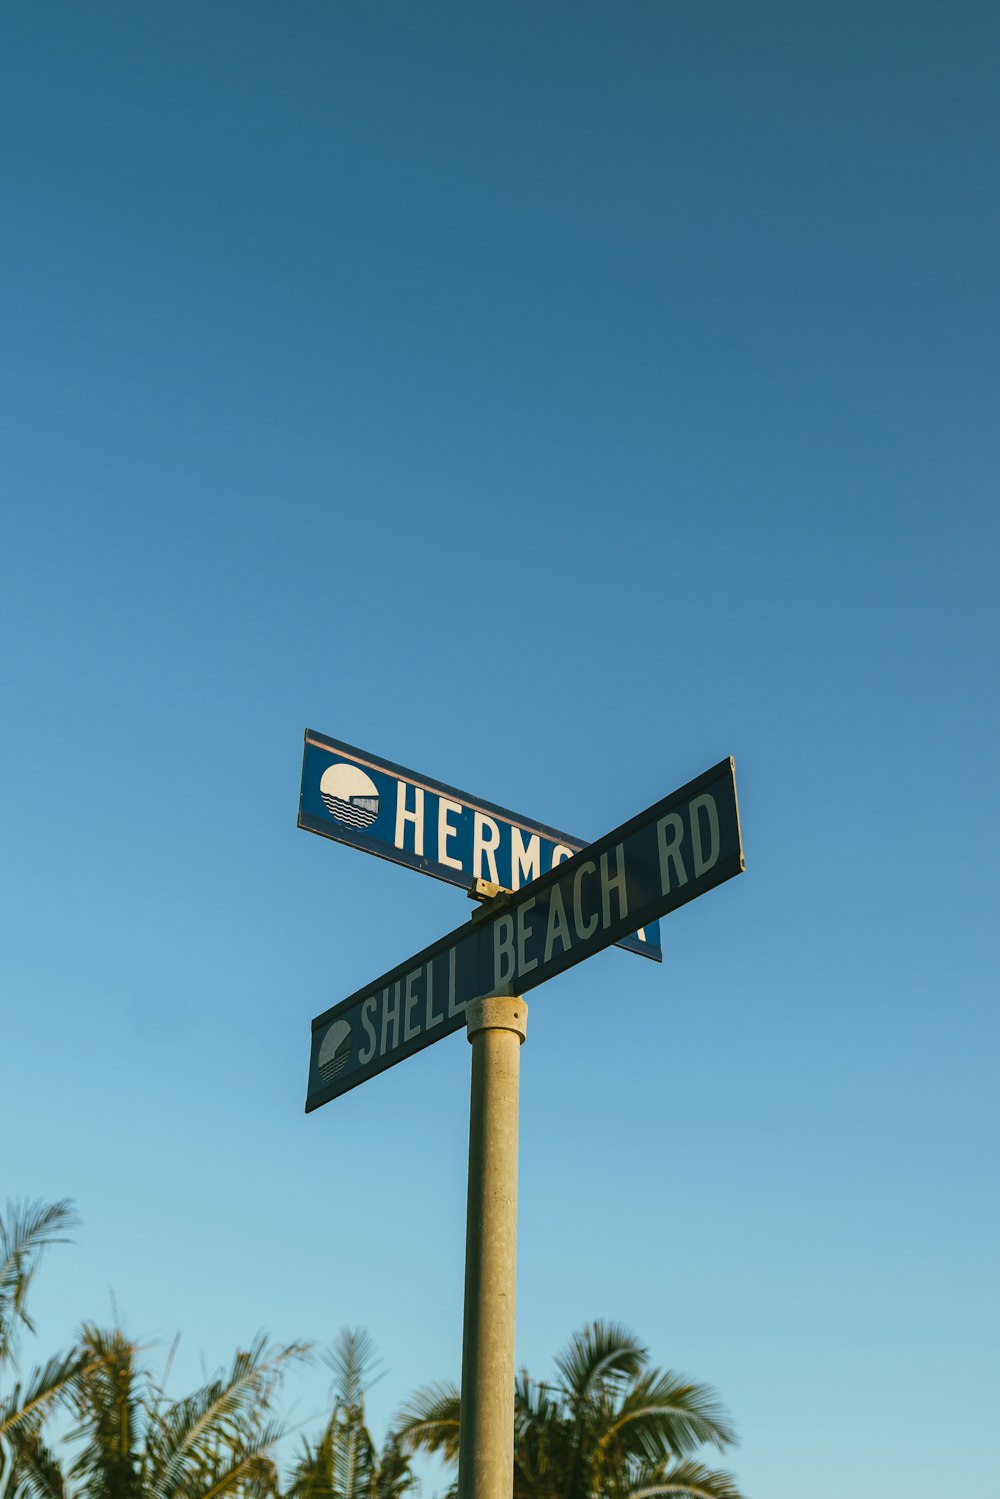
{"x": 335, "y": 1051}
{"x": 349, "y": 795}
{"x": 359, "y": 812}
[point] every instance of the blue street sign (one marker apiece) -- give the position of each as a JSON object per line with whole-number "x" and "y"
{"x": 676, "y": 850}
{"x": 350, "y": 796}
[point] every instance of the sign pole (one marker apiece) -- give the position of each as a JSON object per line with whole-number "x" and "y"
{"x": 496, "y": 1026}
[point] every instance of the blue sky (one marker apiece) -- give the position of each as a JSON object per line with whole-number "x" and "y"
{"x": 554, "y": 399}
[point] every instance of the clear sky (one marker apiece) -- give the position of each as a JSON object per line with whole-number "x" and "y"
{"x": 554, "y": 398}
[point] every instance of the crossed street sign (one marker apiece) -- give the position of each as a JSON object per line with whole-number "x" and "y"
{"x": 673, "y": 852}
{"x": 573, "y": 905}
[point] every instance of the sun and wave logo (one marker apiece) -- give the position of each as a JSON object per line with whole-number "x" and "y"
{"x": 350, "y": 796}
{"x": 335, "y": 1051}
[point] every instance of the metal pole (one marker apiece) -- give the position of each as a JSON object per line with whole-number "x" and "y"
{"x": 496, "y": 1026}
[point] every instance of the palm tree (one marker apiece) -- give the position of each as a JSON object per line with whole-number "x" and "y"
{"x": 345, "y": 1463}
{"x": 138, "y": 1444}
{"x": 26, "y": 1231}
{"x": 133, "y": 1442}
{"x": 610, "y": 1427}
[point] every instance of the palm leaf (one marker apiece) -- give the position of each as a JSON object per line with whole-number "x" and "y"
{"x": 311, "y": 1476}
{"x": 603, "y": 1353}
{"x": 686, "y": 1480}
{"x": 353, "y": 1456}
{"x": 352, "y": 1463}
{"x": 25, "y": 1231}
{"x": 394, "y": 1476}
{"x": 35, "y": 1472}
{"x": 223, "y": 1411}
{"x": 429, "y": 1421}
{"x": 544, "y": 1439}
{"x": 663, "y": 1415}
{"x": 247, "y": 1468}
{"x": 536, "y": 1409}
{"x": 352, "y": 1359}
{"x": 26, "y": 1406}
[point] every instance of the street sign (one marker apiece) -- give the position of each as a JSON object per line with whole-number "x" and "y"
{"x": 674, "y": 851}
{"x": 350, "y": 796}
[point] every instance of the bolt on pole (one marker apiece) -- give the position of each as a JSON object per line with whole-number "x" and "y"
{"x": 496, "y": 1026}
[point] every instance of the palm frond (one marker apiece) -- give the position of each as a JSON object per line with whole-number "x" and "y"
{"x": 27, "y": 1405}
{"x": 35, "y": 1472}
{"x": 686, "y": 1480}
{"x": 352, "y": 1359}
{"x": 664, "y": 1415}
{"x": 26, "y": 1230}
{"x": 535, "y": 1398}
{"x": 429, "y": 1421}
{"x": 543, "y": 1434}
{"x": 353, "y": 1456}
{"x": 224, "y": 1411}
{"x": 603, "y": 1353}
{"x": 311, "y": 1476}
{"x": 393, "y": 1476}
{"x": 248, "y": 1467}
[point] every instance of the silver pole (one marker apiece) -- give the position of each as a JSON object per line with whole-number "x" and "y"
{"x": 496, "y": 1026}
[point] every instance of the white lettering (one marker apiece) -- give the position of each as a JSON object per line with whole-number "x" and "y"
{"x": 560, "y": 854}
{"x": 702, "y": 864}
{"x": 390, "y": 1012}
{"x": 409, "y": 1029}
{"x": 446, "y": 831}
{"x": 367, "y": 1010}
{"x": 453, "y": 1008}
{"x": 617, "y": 885}
{"x": 503, "y": 947}
{"x": 485, "y": 838}
{"x": 670, "y": 852}
{"x": 558, "y": 926}
{"x": 524, "y": 965}
{"x": 524, "y": 860}
{"x": 582, "y": 931}
{"x": 403, "y": 816}
{"x": 430, "y": 1016}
